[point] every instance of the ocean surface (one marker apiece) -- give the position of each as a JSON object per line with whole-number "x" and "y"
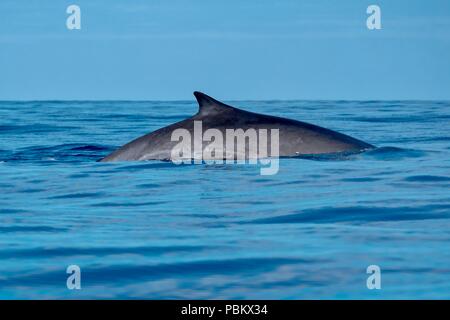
{"x": 157, "y": 230}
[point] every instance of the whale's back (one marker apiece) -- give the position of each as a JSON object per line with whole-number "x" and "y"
{"x": 295, "y": 137}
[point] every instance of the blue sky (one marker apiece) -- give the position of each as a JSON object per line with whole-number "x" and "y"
{"x": 233, "y": 49}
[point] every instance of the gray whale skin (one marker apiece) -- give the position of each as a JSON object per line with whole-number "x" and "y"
{"x": 296, "y": 138}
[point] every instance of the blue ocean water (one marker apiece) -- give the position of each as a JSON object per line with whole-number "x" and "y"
{"x": 156, "y": 230}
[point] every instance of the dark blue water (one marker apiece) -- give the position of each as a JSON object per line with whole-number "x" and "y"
{"x": 157, "y": 230}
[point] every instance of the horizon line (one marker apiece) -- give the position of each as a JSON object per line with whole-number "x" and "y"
{"x": 230, "y": 100}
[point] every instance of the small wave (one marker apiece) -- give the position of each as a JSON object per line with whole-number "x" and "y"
{"x": 77, "y": 195}
{"x": 394, "y": 153}
{"x": 43, "y": 252}
{"x": 12, "y": 211}
{"x": 148, "y": 186}
{"x": 33, "y": 128}
{"x": 63, "y": 152}
{"x": 360, "y": 179}
{"x": 148, "y": 117}
{"x": 337, "y": 156}
{"x": 427, "y": 178}
{"x": 151, "y": 164}
{"x": 360, "y": 214}
{"x": 128, "y": 204}
{"x": 89, "y": 148}
{"x": 15, "y": 229}
{"x": 390, "y": 119}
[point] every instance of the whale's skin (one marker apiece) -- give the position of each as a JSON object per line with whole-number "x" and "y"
{"x": 295, "y": 137}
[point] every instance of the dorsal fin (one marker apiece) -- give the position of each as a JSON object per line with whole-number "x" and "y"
{"x": 208, "y": 105}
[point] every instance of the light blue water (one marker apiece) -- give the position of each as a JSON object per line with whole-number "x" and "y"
{"x": 157, "y": 230}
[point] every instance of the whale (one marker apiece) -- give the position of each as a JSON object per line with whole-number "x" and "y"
{"x": 295, "y": 138}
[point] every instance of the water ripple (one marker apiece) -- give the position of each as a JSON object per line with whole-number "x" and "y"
{"x": 158, "y": 230}
{"x": 361, "y": 214}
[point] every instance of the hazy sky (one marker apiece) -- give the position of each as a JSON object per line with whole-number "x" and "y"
{"x": 232, "y": 49}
